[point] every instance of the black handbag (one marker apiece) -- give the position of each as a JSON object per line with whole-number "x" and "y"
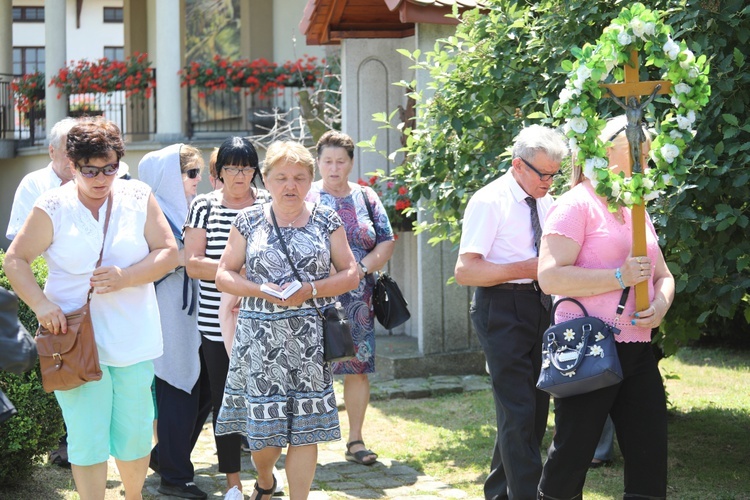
{"x": 391, "y": 308}
{"x": 579, "y": 355}
{"x": 338, "y": 344}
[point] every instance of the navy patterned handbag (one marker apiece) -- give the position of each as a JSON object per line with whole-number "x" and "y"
{"x": 579, "y": 355}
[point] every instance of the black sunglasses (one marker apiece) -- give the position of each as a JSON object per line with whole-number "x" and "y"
{"x": 542, "y": 177}
{"x": 193, "y": 173}
{"x": 90, "y": 172}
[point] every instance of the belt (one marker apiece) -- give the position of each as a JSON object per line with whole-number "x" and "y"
{"x": 533, "y": 286}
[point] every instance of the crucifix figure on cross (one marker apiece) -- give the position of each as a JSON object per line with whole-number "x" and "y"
{"x": 631, "y": 90}
{"x": 633, "y": 131}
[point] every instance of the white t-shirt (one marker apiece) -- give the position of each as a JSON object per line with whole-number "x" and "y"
{"x": 126, "y": 323}
{"x": 32, "y": 186}
{"x": 497, "y": 222}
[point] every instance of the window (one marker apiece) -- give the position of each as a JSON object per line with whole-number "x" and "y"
{"x": 112, "y": 14}
{"x": 28, "y": 60}
{"x": 114, "y": 53}
{"x": 28, "y": 14}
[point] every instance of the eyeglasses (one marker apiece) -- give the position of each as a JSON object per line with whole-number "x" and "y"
{"x": 235, "y": 170}
{"x": 90, "y": 172}
{"x": 193, "y": 173}
{"x": 542, "y": 177}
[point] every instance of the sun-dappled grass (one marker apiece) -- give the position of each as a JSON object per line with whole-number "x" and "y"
{"x": 451, "y": 437}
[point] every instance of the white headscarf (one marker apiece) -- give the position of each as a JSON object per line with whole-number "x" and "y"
{"x": 161, "y": 170}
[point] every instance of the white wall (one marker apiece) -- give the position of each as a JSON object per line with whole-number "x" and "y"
{"x": 28, "y": 34}
{"x": 86, "y": 42}
{"x": 286, "y": 17}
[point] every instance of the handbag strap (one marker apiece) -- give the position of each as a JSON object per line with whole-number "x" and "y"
{"x": 619, "y": 310}
{"x": 104, "y": 238}
{"x": 369, "y": 212}
{"x": 286, "y": 252}
{"x": 367, "y": 204}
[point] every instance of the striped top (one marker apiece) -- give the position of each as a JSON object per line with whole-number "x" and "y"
{"x": 217, "y": 222}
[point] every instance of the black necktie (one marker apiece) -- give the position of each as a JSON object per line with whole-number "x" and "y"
{"x": 531, "y": 202}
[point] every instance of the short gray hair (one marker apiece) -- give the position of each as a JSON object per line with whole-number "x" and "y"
{"x": 539, "y": 139}
{"x": 60, "y": 130}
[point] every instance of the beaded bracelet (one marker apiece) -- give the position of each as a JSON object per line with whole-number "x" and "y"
{"x": 618, "y": 275}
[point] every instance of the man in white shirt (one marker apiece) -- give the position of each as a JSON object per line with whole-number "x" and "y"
{"x": 498, "y": 255}
{"x": 58, "y": 172}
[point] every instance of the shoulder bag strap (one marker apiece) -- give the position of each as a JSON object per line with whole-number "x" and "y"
{"x": 104, "y": 239}
{"x": 367, "y": 204}
{"x": 286, "y": 252}
{"x": 369, "y": 212}
{"x": 621, "y": 305}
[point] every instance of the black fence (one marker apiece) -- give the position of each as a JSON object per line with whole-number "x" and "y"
{"x": 134, "y": 114}
{"x": 6, "y": 107}
{"x": 228, "y": 112}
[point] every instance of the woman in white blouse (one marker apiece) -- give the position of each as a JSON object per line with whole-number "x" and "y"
{"x": 112, "y": 416}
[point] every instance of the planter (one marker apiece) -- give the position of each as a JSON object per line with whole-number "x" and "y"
{"x": 77, "y": 113}
{"x": 7, "y": 149}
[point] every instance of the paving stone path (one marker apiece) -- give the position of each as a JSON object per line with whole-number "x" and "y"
{"x": 335, "y": 478}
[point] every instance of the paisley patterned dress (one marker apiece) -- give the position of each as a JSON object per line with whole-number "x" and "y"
{"x": 363, "y": 234}
{"x": 279, "y": 390}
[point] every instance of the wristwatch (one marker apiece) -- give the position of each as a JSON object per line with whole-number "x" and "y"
{"x": 314, "y": 290}
{"x": 363, "y": 267}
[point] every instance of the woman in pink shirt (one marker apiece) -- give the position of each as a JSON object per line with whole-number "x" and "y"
{"x": 585, "y": 254}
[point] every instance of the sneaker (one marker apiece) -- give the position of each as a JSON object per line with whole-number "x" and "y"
{"x": 279, "y": 481}
{"x": 188, "y": 490}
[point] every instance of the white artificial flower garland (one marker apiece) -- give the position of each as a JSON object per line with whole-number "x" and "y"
{"x": 641, "y": 29}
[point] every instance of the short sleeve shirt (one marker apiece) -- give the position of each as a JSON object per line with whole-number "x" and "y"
{"x": 32, "y": 186}
{"x": 497, "y": 222}
{"x": 605, "y": 244}
{"x": 126, "y": 322}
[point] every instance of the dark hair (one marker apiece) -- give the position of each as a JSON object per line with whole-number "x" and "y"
{"x": 336, "y": 139}
{"x": 237, "y": 151}
{"x": 94, "y": 138}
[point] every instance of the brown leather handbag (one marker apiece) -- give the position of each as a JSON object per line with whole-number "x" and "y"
{"x": 71, "y": 359}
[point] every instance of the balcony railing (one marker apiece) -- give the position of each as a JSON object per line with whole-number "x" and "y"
{"x": 135, "y": 115}
{"x": 226, "y": 112}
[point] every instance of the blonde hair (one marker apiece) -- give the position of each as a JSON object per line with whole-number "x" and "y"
{"x": 212, "y": 164}
{"x": 190, "y": 158}
{"x": 288, "y": 152}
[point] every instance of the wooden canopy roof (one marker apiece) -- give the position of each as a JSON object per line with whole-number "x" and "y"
{"x": 329, "y": 21}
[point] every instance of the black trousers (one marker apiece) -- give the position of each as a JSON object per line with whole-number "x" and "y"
{"x": 510, "y": 324}
{"x": 181, "y": 418}
{"x": 638, "y": 409}
{"x": 228, "y": 446}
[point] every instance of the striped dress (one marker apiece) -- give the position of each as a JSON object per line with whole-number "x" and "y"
{"x": 216, "y": 220}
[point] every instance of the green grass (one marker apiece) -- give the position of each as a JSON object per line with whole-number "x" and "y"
{"x": 451, "y": 437}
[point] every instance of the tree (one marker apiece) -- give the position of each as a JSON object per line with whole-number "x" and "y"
{"x": 502, "y": 71}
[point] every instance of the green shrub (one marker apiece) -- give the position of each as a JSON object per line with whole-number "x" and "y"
{"x": 38, "y": 426}
{"x": 503, "y": 71}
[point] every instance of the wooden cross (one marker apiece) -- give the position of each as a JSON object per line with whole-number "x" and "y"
{"x": 632, "y": 87}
